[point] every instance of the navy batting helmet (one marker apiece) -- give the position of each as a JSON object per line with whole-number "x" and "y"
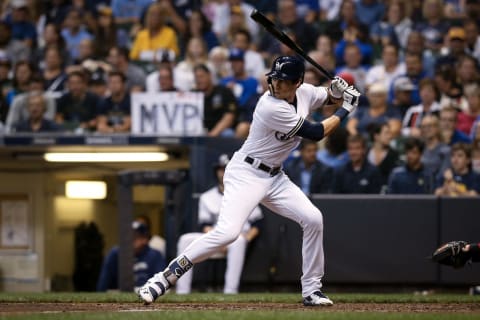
{"x": 287, "y": 68}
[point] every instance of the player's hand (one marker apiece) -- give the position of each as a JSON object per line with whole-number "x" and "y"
{"x": 337, "y": 87}
{"x": 350, "y": 98}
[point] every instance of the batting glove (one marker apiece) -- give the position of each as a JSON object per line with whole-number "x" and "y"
{"x": 337, "y": 87}
{"x": 350, "y": 98}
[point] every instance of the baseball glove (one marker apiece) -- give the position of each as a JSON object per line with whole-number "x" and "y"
{"x": 451, "y": 254}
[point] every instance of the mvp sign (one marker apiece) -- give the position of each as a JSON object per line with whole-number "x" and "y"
{"x": 167, "y": 113}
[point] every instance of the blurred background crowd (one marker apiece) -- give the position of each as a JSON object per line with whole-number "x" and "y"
{"x": 71, "y": 66}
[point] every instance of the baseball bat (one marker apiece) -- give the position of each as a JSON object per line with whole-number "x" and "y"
{"x": 286, "y": 40}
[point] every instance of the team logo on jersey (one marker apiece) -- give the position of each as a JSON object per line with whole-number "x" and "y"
{"x": 281, "y": 136}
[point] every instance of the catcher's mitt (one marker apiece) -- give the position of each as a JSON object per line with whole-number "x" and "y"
{"x": 451, "y": 254}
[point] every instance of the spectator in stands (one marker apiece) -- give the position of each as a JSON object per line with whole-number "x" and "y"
{"x": 208, "y": 210}
{"x": 389, "y": 68}
{"x": 36, "y": 121}
{"x": 459, "y": 179}
{"x": 254, "y": 63}
{"x": 415, "y": 73}
{"x": 358, "y": 175}
{"x": 394, "y": 28}
{"x": 77, "y": 108}
{"x": 106, "y": 34}
{"x": 97, "y": 82}
{"x": 466, "y": 118}
{"x": 218, "y": 63}
{"x": 288, "y": 19}
{"x": 22, "y": 28}
{"x": 155, "y": 36}
{"x": 128, "y": 13}
{"x": 381, "y": 154}
{"x": 242, "y": 85}
{"x": 238, "y": 10}
{"x": 413, "y": 177}
{"x": 164, "y": 78}
{"x": 74, "y": 32}
{"x": 451, "y": 91}
{"x": 147, "y": 261}
{"x": 307, "y": 172}
{"x": 22, "y": 74}
{"x": 355, "y": 35}
{"x": 18, "y": 111}
{"x": 429, "y": 95}
{"x": 436, "y": 155}
{"x": 369, "y": 12}
{"x": 308, "y": 10}
{"x": 118, "y": 59}
{"x": 402, "y": 93}
{"x": 468, "y": 71}
{"x": 51, "y": 38}
{"x": 455, "y": 48}
{"x": 448, "y": 124}
{"x": 378, "y": 111}
{"x": 353, "y": 58}
{"x": 53, "y": 73}
{"x": 238, "y": 21}
{"x": 335, "y": 152}
{"x": 434, "y": 26}
{"x": 416, "y": 46}
{"x": 220, "y": 105}
{"x": 199, "y": 26}
{"x": 56, "y": 11}
{"x": 472, "y": 38}
{"x": 183, "y": 71}
{"x": 13, "y": 50}
{"x": 114, "y": 111}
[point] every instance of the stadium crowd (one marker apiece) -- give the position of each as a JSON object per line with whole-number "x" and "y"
{"x": 71, "y": 66}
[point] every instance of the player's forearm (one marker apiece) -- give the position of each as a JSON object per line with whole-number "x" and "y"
{"x": 224, "y": 123}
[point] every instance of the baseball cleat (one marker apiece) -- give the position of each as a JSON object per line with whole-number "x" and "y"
{"x": 155, "y": 287}
{"x": 317, "y": 299}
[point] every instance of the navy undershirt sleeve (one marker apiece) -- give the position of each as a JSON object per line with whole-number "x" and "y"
{"x": 312, "y": 131}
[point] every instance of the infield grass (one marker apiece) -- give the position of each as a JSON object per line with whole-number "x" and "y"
{"x": 238, "y": 314}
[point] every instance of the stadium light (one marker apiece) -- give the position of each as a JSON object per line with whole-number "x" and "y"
{"x": 105, "y": 156}
{"x": 75, "y": 189}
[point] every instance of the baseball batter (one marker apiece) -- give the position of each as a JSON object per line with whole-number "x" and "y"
{"x": 254, "y": 175}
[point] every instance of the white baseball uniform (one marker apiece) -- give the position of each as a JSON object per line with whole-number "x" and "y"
{"x": 208, "y": 212}
{"x": 270, "y": 141}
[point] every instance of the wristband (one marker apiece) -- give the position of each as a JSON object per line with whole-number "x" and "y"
{"x": 342, "y": 113}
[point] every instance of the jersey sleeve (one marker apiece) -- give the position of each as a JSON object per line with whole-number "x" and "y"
{"x": 318, "y": 95}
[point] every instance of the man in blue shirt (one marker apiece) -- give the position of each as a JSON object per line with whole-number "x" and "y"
{"x": 413, "y": 177}
{"x": 307, "y": 172}
{"x": 147, "y": 261}
{"x": 358, "y": 175}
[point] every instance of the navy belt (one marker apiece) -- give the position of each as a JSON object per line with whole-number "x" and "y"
{"x": 271, "y": 171}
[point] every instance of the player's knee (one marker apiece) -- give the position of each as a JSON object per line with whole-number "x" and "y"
{"x": 315, "y": 220}
{"x": 229, "y": 236}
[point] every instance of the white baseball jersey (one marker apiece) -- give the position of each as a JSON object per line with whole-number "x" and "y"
{"x": 275, "y": 123}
